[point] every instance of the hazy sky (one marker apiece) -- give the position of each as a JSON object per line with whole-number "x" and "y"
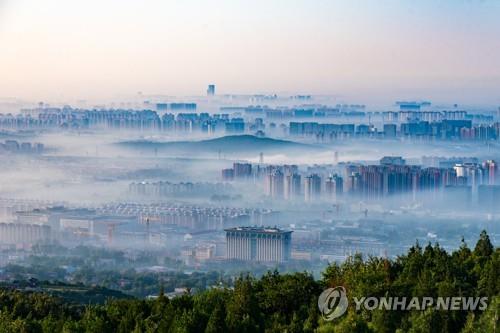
{"x": 446, "y": 50}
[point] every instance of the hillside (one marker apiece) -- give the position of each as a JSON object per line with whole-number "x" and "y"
{"x": 225, "y": 144}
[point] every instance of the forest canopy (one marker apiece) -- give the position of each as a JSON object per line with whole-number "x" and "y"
{"x": 288, "y": 302}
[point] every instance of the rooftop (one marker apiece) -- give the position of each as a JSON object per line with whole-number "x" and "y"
{"x": 256, "y": 229}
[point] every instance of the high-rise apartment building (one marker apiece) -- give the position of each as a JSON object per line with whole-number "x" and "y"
{"x": 292, "y": 186}
{"x": 275, "y": 184}
{"x": 242, "y": 170}
{"x": 491, "y": 169}
{"x": 333, "y": 187}
{"x": 312, "y": 188}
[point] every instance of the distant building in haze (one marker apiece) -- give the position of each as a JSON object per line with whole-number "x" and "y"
{"x": 292, "y": 186}
{"x": 312, "y": 188}
{"x": 211, "y": 90}
{"x": 334, "y": 187}
{"x": 491, "y": 170}
{"x": 242, "y": 170}
{"x": 392, "y": 160}
{"x": 275, "y": 184}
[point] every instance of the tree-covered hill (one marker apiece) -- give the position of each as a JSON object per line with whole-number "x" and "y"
{"x": 288, "y": 302}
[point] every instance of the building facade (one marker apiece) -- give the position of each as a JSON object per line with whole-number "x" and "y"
{"x": 258, "y": 244}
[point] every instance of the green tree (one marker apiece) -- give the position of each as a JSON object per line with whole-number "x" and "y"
{"x": 217, "y": 322}
{"x": 243, "y": 312}
{"x": 483, "y": 248}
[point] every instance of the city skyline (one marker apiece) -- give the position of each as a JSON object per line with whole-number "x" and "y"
{"x": 367, "y": 51}
{"x": 249, "y": 166}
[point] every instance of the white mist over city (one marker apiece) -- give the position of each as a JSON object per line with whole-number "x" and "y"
{"x": 223, "y": 166}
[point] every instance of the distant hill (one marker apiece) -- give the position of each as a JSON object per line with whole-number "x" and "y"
{"x": 225, "y": 144}
{"x": 72, "y": 293}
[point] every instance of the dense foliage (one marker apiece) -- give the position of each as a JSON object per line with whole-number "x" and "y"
{"x": 288, "y": 303}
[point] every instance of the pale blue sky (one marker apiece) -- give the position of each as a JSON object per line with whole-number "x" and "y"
{"x": 446, "y": 50}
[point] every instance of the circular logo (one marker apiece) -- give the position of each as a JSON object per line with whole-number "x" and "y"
{"x": 332, "y": 303}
